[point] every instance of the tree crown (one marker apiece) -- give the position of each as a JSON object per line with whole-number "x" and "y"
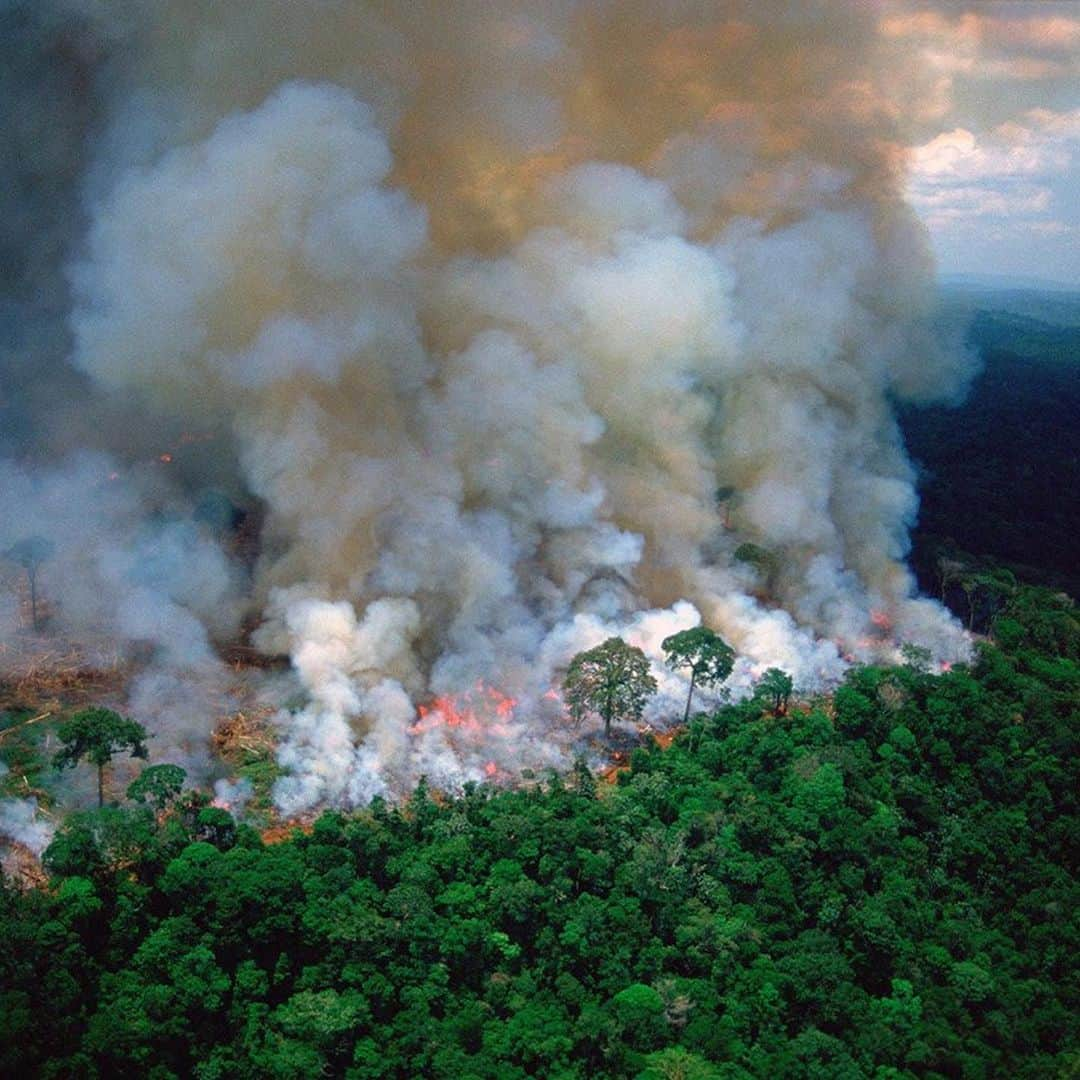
{"x": 30, "y": 552}
{"x": 157, "y": 784}
{"x": 612, "y": 680}
{"x": 708, "y": 656}
{"x": 775, "y": 685}
{"x": 97, "y": 734}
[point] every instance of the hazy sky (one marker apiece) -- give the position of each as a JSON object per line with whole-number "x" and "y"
{"x": 995, "y": 167}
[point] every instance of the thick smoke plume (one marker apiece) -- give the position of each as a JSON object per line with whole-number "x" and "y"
{"x": 529, "y": 324}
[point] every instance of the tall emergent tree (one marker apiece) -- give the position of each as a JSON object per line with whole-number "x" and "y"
{"x": 97, "y": 734}
{"x": 30, "y": 553}
{"x": 611, "y": 680}
{"x": 708, "y": 656}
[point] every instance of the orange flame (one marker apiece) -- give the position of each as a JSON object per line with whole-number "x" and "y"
{"x": 165, "y": 458}
{"x": 479, "y": 712}
{"x": 881, "y": 620}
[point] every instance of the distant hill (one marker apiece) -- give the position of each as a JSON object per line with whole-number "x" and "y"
{"x": 1007, "y": 282}
{"x": 999, "y": 473}
{"x": 1048, "y": 302}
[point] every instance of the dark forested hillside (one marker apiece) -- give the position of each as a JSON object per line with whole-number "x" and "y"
{"x": 1000, "y": 474}
{"x": 881, "y": 884}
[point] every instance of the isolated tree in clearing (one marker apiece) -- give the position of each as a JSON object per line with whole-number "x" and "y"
{"x": 97, "y": 734}
{"x": 611, "y": 680}
{"x": 30, "y": 554}
{"x": 708, "y": 656}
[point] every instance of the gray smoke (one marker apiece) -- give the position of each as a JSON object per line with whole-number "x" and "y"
{"x": 493, "y": 301}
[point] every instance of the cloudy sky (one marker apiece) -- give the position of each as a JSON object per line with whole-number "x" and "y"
{"x": 994, "y": 172}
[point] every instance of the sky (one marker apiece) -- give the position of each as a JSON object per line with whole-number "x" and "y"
{"x": 994, "y": 165}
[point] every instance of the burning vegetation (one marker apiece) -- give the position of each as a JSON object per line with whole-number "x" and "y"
{"x": 480, "y": 713}
{"x": 427, "y": 410}
{"x": 422, "y": 367}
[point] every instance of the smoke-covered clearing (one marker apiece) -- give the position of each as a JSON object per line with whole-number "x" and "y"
{"x": 492, "y": 301}
{"x": 19, "y": 822}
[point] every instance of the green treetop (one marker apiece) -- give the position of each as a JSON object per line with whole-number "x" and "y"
{"x": 775, "y": 687}
{"x": 611, "y": 680}
{"x": 709, "y": 658}
{"x": 97, "y": 734}
{"x": 158, "y": 785}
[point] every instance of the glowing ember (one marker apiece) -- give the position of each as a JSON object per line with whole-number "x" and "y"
{"x": 165, "y": 458}
{"x": 946, "y": 666}
{"x": 881, "y": 620}
{"x": 479, "y": 712}
{"x": 491, "y": 769}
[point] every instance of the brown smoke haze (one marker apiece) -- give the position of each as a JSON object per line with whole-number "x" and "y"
{"x": 486, "y": 303}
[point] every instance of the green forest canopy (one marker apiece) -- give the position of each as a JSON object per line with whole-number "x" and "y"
{"x": 881, "y": 884}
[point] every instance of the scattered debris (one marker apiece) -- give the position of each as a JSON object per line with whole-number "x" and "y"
{"x": 243, "y": 733}
{"x": 20, "y": 866}
{"x": 25, "y": 723}
{"x": 50, "y": 673}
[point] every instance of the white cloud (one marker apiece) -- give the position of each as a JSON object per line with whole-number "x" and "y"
{"x": 1011, "y": 170}
{"x": 1008, "y": 152}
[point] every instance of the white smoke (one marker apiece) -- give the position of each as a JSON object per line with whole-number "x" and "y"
{"x": 159, "y": 578}
{"x": 20, "y": 821}
{"x": 493, "y": 319}
{"x": 232, "y": 795}
{"x": 128, "y": 573}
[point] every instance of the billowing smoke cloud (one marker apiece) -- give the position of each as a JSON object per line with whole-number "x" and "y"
{"x": 530, "y": 324}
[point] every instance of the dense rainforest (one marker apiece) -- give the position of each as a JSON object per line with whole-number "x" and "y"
{"x": 880, "y": 883}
